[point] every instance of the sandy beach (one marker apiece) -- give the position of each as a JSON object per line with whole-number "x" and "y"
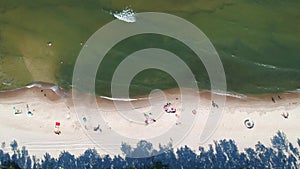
{"x": 104, "y": 126}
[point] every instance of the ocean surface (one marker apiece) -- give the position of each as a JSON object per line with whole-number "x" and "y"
{"x": 258, "y": 42}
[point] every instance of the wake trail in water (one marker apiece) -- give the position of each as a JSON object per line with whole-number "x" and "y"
{"x": 267, "y": 66}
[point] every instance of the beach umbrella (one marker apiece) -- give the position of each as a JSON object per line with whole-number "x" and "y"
{"x": 29, "y": 113}
{"x": 249, "y": 124}
{"x": 57, "y": 124}
{"x": 56, "y": 128}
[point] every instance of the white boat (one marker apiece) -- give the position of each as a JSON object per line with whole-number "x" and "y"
{"x": 126, "y": 15}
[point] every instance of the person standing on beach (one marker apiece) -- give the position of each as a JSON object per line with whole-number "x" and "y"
{"x": 273, "y": 99}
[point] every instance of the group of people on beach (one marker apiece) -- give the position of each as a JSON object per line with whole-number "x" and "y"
{"x": 20, "y": 111}
{"x": 285, "y": 114}
{"x": 29, "y": 114}
{"x": 169, "y": 108}
{"x": 149, "y": 118}
{"x": 250, "y": 124}
{"x": 273, "y": 99}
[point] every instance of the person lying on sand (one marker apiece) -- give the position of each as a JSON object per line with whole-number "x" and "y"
{"x": 285, "y": 115}
{"x": 151, "y": 117}
{"x": 148, "y": 118}
{"x": 17, "y": 111}
{"x": 57, "y": 132}
{"x": 98, "y": 128}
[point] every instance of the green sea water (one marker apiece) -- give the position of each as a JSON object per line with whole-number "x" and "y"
{"x": 258, "y": 42}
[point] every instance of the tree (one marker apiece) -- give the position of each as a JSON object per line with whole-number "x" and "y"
{"x": 28, "y": 163}
{"x": 118, "y": 162}
{"x": 279, "y": 141}
{"x": 4, "y": 159}
{"x": 36, "y": 163}
{"x": 222, "y": 154}
{"x": 13, "y": 165}
{"x": 186, "y": 157}
{"x": 14, "y": 146}
{"x": 66, "y": 160}
{"x": 159, "y": 165}
{"x": 48, "y": 162}
{"x": 89, "y": 159}
{"x": 106, "y": 161}
{"x": 3, "y": 145}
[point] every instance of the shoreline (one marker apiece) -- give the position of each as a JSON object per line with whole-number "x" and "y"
{"x": 36, "y": 132}
{"x": 65, "y": 92}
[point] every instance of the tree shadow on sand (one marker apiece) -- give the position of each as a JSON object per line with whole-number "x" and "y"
{"x": 220, "y": 154}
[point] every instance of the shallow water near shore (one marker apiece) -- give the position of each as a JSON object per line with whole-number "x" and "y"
{"x": 258, "y": 43}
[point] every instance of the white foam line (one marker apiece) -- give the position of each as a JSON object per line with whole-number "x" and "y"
{"x": 239, "y": 96}
{"x": 120, "y": 99}
{"x": 266, "y": 66}
{"x": 295, "y": 91}
{"x": 275, "y": 67}
{"x": 33, "y": 85}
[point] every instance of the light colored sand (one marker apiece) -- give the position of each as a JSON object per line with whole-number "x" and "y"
{"x": 36, "y": 132}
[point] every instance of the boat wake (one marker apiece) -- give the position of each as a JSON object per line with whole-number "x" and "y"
{"x": 126, "y": 15}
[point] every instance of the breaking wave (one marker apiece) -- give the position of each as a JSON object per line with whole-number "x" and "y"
{"x": 230, "y": 94}
{"x": 121, "y": 99}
